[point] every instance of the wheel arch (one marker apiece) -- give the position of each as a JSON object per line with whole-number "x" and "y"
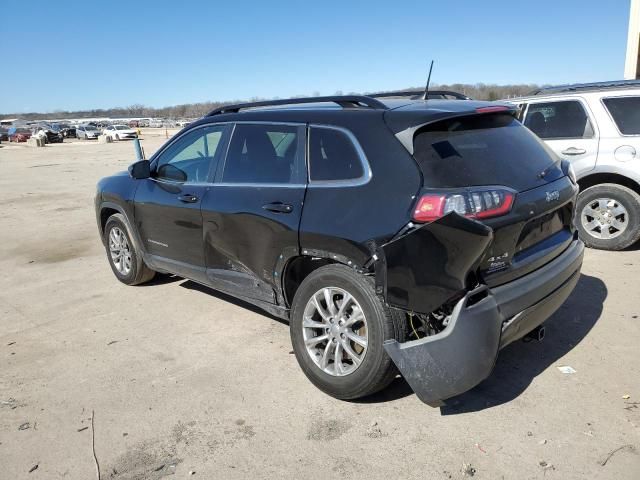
{"x": 299, "y": 267}
{"x": 603, "y": 177}
{"x": 105, "y": 213}
{"x": 107, "y": 209}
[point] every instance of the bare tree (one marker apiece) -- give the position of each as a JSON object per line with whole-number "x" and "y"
{"x": 478, "y": 91}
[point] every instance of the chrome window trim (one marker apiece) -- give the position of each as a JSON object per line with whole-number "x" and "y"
{"x": 175, "y": 182}
{"x": 613, "y": 120}
{"x": 260, "y": 185}
{"x": 351, "y": 182}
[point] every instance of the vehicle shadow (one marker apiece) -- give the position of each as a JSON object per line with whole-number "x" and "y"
{"x": 191, "y": 285}
{"x": 633, "y": 247}
{"x": 519, "y": 363}
{"x": 397, "y": 389}
{"x": 161, "y": 279}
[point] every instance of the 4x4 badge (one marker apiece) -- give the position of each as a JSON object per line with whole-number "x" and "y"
{"x": 551, "y": 196}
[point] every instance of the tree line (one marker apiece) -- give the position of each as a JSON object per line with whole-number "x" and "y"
{"x": 478, "y": 91}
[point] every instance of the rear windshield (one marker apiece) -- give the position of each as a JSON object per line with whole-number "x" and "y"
{"x": 626, "y": 113}
{"x": 488, "y": 149}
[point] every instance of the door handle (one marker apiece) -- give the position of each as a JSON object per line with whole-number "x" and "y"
{"x": 574, "y": 151}
{"x": 188, "y": 198}
{"x": 278, "y": 207}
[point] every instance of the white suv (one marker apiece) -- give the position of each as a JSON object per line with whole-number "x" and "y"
{"x": 597, "y": 127}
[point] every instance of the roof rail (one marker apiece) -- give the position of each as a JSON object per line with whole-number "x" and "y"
{"x": 345, "y": 101}
{"x": 594, "y": 86}
{"x": 418, "y": 94}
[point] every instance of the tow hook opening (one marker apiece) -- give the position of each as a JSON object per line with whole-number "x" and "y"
{"x": 536, "y": 334}
{"x": 476, "y": 297}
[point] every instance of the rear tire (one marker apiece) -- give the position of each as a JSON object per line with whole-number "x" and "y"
{"x": 352, "y": 379}
{"x": 612, "y": 209}
{"x": 124, "y": 258}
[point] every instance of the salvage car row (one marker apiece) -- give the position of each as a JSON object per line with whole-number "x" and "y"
{"x": 56, "y": 133}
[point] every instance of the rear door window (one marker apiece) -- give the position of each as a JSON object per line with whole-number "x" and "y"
{"x": 565, "y": 119}
{"x": 625, "y": 111}
{"x": 265, "y": 154}
{"x": 333, "y": 156}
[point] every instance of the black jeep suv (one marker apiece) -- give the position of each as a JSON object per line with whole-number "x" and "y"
{"x": 422, "y": 235}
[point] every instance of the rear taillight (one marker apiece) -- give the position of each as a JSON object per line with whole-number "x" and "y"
{"x": 480, "y": 203}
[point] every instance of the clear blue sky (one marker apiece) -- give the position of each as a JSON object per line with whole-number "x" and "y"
{"x": 100, "y": 54}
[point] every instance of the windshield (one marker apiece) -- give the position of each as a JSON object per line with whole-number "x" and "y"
{"x": 492, "y": 149}
{"x": 121, "y": 127}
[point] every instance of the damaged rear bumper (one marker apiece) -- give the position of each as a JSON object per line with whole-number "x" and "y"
{"x": 484, "y": 321}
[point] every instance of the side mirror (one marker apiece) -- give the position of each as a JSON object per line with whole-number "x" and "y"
{"x": 140, "y": 170}
{"x": 171, "y": 172}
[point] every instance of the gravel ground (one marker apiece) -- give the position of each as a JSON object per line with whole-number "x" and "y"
{"x": 174, "y": 379}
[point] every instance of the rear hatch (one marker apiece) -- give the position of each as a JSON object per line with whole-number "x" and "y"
{"x": 485, "y": 165}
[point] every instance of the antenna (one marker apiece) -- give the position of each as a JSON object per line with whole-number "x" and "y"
{"x": 426, "y": 89}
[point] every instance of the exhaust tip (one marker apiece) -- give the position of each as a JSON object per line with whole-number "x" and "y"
{"x": 541, "y": 333}
{"x": 536, "y": 334}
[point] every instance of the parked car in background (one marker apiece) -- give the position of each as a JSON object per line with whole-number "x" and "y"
{"x": 4, "y": 134}
{"x": 596, "y": 126}
{"x": 409, "y": 234}
{"x": 156, "y": 123}
{"x": 50, "y": 133}
{"x": 134, "y": 124}
{"x": 87, "y": 132}
{"x": 120, "y": 132}
{"x": 68, "y": 131}
{"x": 20, "y": 134}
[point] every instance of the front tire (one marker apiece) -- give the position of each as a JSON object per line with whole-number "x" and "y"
{"x": 338, "y": 327}
{"x": 124, "y": 258}
{"x": 608, "y": 216}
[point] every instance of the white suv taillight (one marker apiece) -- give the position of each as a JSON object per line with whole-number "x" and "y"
{"x": 472, "y": 203}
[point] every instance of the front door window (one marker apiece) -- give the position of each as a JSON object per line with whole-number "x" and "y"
{"x": 192, "y": 158}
